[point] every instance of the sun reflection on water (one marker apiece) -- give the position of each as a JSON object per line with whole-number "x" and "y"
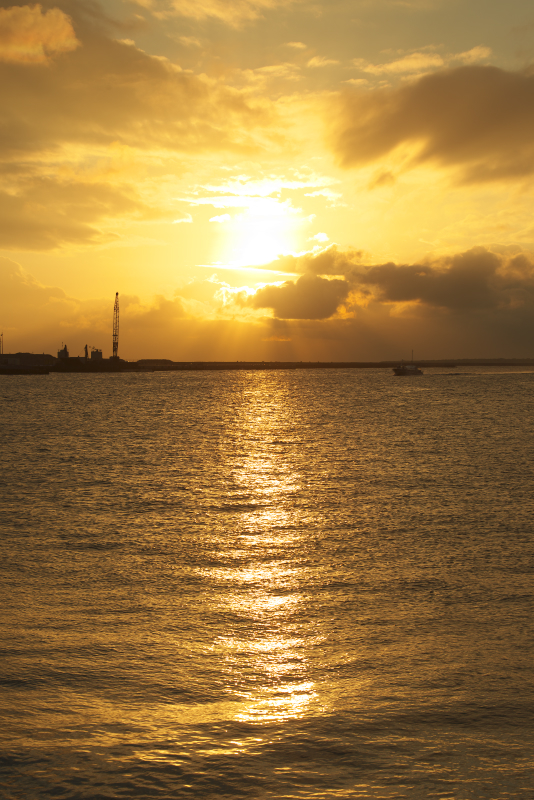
{"x": 262, "y": 566}
{"x": 265, "y": 657}
{"x": 277, "y": 705}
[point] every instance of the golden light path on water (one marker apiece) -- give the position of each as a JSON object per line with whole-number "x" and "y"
{"x": 266, "y": 659}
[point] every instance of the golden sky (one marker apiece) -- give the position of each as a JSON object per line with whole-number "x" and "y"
{"x": 258, "y": 179}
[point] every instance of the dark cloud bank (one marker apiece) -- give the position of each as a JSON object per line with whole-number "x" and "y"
{"x": 466, "y": 282}
{"x": 476, "y": 303}
{"x": 473, "y": 304}
{"x": 478, "y": 119}
{"x": 311, "y": 297}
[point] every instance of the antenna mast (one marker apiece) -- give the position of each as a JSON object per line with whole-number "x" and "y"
{"x": 116, "y": 327}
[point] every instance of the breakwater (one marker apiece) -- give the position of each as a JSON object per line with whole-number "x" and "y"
{"x": 28, "y": 363}
{"x": 163, "y": 365}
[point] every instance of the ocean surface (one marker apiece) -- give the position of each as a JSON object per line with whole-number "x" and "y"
{"x": 267, "y": 585}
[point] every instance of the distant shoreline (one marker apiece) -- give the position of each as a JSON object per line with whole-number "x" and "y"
{"x": 37, "y": 364}
{"x": 146, "y": 365}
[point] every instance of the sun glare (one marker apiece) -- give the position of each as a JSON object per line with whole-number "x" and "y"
{"x": 260, "y": 235}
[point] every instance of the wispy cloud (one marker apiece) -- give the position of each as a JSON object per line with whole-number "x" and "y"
{"x": 420, "y": 62}
{"x": 321, "y": 61}
{"x": 233, "y": 13}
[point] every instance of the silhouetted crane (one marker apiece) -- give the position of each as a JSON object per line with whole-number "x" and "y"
{"x": 116, "y": 327}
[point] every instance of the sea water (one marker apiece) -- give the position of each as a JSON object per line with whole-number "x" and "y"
{"x": 294, "y": 584}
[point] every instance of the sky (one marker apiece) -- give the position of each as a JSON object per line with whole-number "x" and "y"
{"x": 268, "y": 179}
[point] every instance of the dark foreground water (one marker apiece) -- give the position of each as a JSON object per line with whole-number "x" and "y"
{"x": 267, "y": 585}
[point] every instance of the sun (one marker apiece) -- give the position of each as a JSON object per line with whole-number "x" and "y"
{"x": 261, "y": 233}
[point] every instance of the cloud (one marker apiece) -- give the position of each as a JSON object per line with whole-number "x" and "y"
{"x": 29, "y": 36}
{"x": 232, "y": 13}
{"x": 310, "y": 297}
{"x": 474, "y": 118}
{"x": 44, "y": 213}
{"x": 414, "y": 62}
{"x": 478, "y": 53}
{"x": 143, "y": 318}
{"x": 38, "y": 318}
{"x": 113, "y": 92}
{"x": 472, "y": 304}
{"x": 320, "y": 61}
{"x": 383, "y": 177}
{"x": 420, "y": 62}
{"x": 475, "y": 280}
{"x": 190, "y": 41}
{"x": 465, "y": 281}
{"x": 329, "y": 261}
{"x": 22, "y": 289}
{"x": 334, "y": 198}
{"x": 89, "y": 128}
{"x": 472, "y": 281}
{"x": 265, "y": 184}
{"x": 35, "y": 317}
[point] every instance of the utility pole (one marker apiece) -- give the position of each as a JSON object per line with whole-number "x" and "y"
{"x": 116, "y": 327}
{"x": 2, "y": 343}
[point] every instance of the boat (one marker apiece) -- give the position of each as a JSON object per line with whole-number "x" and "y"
{"x": 407, "y": 369}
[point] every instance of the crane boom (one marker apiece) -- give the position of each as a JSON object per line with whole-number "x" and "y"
{"x": 116, "y": 327}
